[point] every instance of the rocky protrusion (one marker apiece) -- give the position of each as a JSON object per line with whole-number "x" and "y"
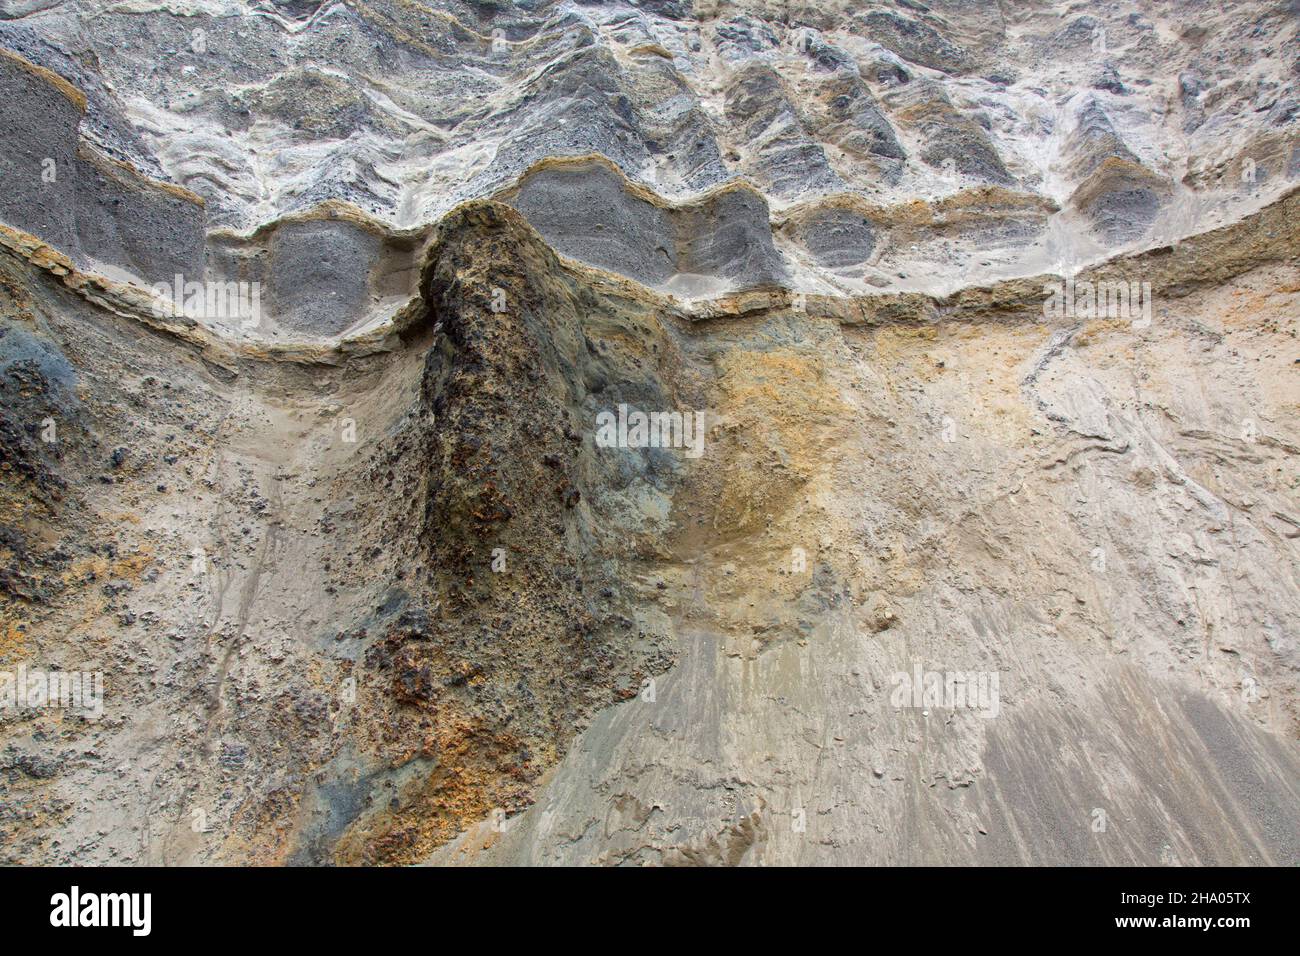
{"x": 951, "y": 139}
{"x": 589, "y": 211}
{"x": 96, "y": 209}
{"x": 913, "y": 40}
{"x": 39, "y": 114}
{"x": 1117, "y": 193}
{"x": 782, "y": 155}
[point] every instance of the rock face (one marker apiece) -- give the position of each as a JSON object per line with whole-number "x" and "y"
{"x": 650, "y": 432}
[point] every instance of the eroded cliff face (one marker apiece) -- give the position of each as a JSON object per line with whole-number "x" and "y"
{"x": 940, "y": 561}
